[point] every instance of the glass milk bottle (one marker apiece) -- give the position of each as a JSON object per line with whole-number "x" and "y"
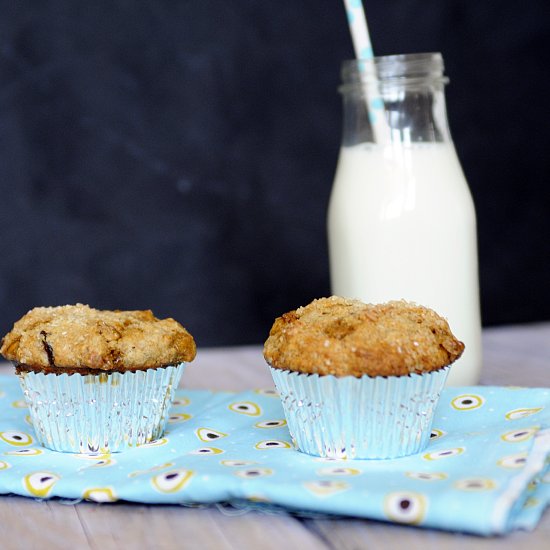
{"x": 401, "y": 220}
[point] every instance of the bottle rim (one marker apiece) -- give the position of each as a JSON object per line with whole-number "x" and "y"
{"x": 389, "y": 70}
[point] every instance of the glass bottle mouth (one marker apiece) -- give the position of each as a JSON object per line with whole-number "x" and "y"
{"x": 406, "y": 70}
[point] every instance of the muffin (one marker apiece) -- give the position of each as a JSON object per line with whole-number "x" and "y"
{"x": 360, "y": 380}
{"x": 97, "y": 381}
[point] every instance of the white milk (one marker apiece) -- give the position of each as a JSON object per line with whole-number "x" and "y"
{"x": 402, "y": 224}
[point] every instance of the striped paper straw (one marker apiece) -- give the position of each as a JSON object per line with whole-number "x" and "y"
{"x": 363, "y": 50}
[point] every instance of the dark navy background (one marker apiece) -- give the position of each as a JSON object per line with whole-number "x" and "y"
{"x": 179, "y": 156}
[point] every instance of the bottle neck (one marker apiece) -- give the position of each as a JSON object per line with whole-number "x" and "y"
{"x": 411, "y": 90}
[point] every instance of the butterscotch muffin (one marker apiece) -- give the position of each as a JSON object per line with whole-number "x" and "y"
{"x": 360, "y": 380}
{"x": 97, "y": 381}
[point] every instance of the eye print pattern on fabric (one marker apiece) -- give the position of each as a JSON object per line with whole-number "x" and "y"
{"x": 28, "y": 419}
{"x": 405, "y": 507}
{"x": 254, "y": 472}
{"x": 20, "y": 404}
{"x": 272, "y": 444}
{"x": 268, "y": 393}
{"x": 445, "y": 453}
{"x": 172, "y": 481}
{"x": 100, "y": 494}
{"x": 513, "y": 461}
{"x": 475, "y": 484}
{"x": 521, "y": 413}
{"x": 531, "y": 502}
{"x": 436, "y": 434}
{"x": 246, "y": 407}
{"x": 207, "y": 434}
{"x": 19, "y": 439}
{"x": 259, "y": 498}
{"x": 4, "y": 465}
{"x": 467, "y": 402}
{"x": 519, "y": 435}
{"x": 181, "y": 402}
{"x": 207, "y": 451}
{"x": 155, "y": 468}
{"x": 326, "y": 488}
{"x": 39, "y": 484}
{"x": 271, "y": 423}
{"x": 176, "y": 418}
{"x": 427, "y": 476}
{"x": 533, "y": 485}
{"x": 25, "y": 452}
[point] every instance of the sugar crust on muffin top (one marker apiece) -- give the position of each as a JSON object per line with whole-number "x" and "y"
{"x": 344, "y": 337}
{"x": 79, "y": 338}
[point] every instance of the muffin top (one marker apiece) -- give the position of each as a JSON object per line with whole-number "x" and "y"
{"x": 80, "y": 338}
{"x": 346, "y": 337}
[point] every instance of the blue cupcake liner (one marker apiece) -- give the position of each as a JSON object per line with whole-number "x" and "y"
{"x": 359, "y": 418}
{"x": 100, "y": 413}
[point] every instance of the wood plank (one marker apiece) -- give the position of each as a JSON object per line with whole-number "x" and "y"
{"x": 27, "y": 524}
{"x": 347, "y": 534}
{"x": 271, "y": 531}
{"x": 137, "y": 526}
{"x": 517, "y": 355}
{"x": 234, "y": 369}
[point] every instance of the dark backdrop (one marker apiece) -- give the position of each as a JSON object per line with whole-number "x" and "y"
{"x": 179, "y": 155}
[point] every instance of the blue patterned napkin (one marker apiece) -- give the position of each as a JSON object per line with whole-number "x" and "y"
{"x": 485, "y": 471}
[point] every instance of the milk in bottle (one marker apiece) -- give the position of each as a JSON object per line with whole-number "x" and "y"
{"x": 401, "y": 220}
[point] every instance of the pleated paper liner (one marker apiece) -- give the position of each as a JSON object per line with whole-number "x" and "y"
{"x": 100, "y": 413}
{"x": 362, "y": 418}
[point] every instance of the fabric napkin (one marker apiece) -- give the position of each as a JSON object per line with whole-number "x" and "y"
{"x": 485, "y": 471}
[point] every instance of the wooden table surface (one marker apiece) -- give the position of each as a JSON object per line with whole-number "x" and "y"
{"x": 513, "y": 355}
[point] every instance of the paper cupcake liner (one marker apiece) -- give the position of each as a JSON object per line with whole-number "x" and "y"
{"x": 367, "y": 417}
{"x": 103, "y": 413}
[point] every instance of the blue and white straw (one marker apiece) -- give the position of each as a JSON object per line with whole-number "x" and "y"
{"x": 363, "y": 50}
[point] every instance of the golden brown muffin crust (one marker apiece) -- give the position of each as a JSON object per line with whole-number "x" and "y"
{"x": 349, "y": 338}
{"x": 78, "y": 337}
